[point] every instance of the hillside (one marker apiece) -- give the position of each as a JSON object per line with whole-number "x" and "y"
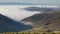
{"x": 8, "y": 25}
{"x": 44, "y": 22}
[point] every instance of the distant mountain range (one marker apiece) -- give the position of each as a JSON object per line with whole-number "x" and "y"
{"x": 43, "y": 9}
{"x": 8, "y": 25}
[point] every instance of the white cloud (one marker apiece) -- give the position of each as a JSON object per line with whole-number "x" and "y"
{"x": 15, "y": 13}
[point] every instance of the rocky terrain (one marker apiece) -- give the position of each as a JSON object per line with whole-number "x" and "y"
{"x": 44, "y": 22}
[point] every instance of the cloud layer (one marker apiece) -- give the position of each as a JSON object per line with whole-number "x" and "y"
{"x": 15, "y": 12}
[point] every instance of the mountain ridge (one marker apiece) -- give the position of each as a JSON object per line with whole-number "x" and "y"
{"x": 44, "y": 22}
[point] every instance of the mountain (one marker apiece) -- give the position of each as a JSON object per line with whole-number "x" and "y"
{"x": 8, "y": 25}
{"x": 32, "y": 8}
{"x": 44, "y": 22}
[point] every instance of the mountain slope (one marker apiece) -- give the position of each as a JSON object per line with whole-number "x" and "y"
{"x": 44, "y": 22}
{"x": 8, "y": 25}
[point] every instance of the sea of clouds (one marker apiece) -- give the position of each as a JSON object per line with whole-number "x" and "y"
{"x": 15, "y": 12}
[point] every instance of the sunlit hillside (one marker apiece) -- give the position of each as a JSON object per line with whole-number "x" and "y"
{"x": 44, "y": 22}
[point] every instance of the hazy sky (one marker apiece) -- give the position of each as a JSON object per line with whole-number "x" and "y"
{"x": 34, "y": 1}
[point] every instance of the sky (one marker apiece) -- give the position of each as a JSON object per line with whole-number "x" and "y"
{"x": 33, "y": 1}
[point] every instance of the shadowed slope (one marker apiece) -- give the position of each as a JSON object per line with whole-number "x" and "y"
{"x": 8, "y": 25}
